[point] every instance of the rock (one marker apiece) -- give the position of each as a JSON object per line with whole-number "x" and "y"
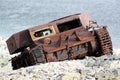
{"x": 106, "y": 67}
{"x": 71, "y": 76}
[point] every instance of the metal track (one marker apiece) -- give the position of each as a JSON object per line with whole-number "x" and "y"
{"x": 104, "y": 41}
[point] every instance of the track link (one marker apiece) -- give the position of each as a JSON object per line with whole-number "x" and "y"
{"x": 104, "y": 41}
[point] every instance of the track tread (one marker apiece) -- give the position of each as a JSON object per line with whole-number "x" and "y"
{"x": 104, "y": 41}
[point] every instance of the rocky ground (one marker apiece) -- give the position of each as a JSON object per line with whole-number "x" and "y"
{"x": 106, "y": 67}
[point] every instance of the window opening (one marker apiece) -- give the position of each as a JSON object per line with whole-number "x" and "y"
{"x": 69, "y": 25}
{"x": 44, "y": 32}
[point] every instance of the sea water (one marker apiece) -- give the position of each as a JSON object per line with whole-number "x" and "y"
{"x": 17, "y": 15}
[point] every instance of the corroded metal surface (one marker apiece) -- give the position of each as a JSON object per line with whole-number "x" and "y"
{"x": 104, "y": 41}
{"x": 71, "y": 37}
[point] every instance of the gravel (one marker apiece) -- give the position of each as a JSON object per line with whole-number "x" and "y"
{"x": 106, "y": 67}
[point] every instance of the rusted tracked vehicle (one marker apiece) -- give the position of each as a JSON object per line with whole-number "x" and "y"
{"x": 71, "y": 37}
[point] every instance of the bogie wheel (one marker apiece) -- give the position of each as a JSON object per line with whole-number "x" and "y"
{"x": 103, "y": 42}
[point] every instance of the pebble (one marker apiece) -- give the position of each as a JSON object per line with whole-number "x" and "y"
{"x": 106, "y": 67}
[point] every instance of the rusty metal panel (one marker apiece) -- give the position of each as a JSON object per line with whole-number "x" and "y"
{"x": 85, "y": 20}
{"x": 67, "y": 39}
{"x": 19, "y": 41}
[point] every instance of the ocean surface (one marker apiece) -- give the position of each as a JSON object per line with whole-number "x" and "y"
{"x": 17, "y": 15}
